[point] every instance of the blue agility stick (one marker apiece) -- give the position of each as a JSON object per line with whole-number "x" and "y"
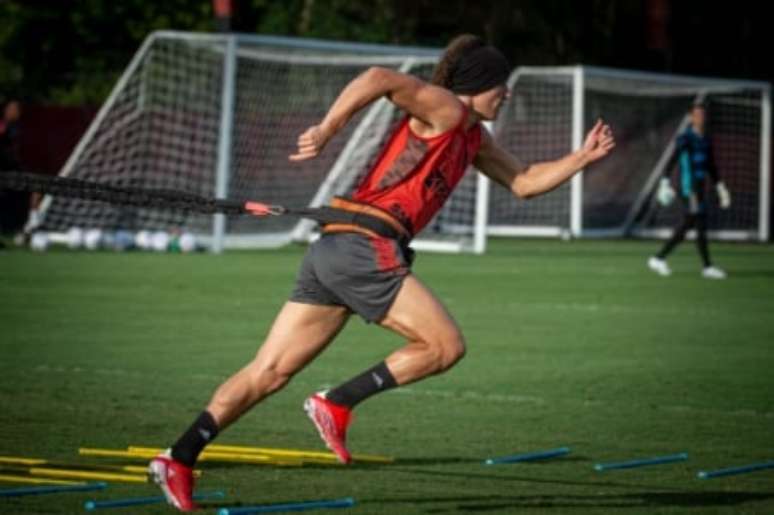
{"x": 40, "y": 490}
{"x": 344, "y": 502}
{"x": 659, "y": 460}
{"x": 137, "y": 501}
{"x": 731, "y": 471}
{"x": 530, "y": 456}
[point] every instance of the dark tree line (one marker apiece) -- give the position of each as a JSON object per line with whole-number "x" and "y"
{"x": 71, "y": 51}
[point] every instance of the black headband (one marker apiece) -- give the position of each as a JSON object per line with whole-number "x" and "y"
{"x": 479, "y": 70}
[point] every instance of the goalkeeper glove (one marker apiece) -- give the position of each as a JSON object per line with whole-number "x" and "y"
{"x": 723, "y": 195}
{"x": 666, "y": 194}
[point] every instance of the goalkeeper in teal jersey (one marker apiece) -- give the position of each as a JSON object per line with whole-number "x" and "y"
{"x": 693, "y": 152}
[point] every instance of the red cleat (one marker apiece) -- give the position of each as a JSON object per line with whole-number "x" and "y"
{"x": 175, "y": 479}
{"x": 331, "y": 420}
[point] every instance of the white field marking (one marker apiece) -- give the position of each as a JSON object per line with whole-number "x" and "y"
{"x": 471, "y": 395}
{"x": 592, "y": 307}
{"x": 424, "y": 392}
{"x": 586, "y": 307}
{"x": 522, "y": 399}
{"x": 612, "y": 308}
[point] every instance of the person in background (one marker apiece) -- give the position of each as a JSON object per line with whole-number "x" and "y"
{"x": 693, "y": 151}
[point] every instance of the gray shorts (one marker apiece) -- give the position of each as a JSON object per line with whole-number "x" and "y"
{"x": 353, "y": 270}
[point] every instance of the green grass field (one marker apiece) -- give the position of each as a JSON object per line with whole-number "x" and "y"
{"x": 570, "y": 344}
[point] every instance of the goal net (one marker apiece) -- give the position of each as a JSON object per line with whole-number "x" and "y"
{"x": 551, "y": 109}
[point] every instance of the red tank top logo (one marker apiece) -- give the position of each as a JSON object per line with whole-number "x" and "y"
{"x": 406, "y": 163}
{"x": 436, "y": 183}
{"x": 399, "y": 213}
{"x": 413, "y": 176}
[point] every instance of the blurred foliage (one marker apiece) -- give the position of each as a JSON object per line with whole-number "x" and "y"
{"x": 72, "y": 51}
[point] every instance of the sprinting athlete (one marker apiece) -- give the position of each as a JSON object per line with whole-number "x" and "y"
{"x": 693, "y": 152}
{"x": 362, "y": 264}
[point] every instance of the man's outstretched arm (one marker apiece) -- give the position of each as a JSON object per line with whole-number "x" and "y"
{"x": 434, "y": 106}
{"x": 527, "y": 181}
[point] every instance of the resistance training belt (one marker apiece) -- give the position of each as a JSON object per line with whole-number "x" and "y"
{"x": 341, "y": 216}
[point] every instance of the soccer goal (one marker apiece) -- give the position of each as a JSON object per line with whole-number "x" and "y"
{"x": 550, "y": 110}
{"x": 218, "y": 115}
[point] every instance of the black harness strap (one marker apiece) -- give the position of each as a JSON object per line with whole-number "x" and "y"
{"x": 182, "y": 201}
{"x": 122, "y": 195}
{"x": 332, "y": 215}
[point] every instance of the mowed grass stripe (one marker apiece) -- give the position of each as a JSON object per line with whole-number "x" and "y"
{"x": 572, "y": 344}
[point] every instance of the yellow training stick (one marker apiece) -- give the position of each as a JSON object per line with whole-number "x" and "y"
{"x": 149, "y": 453}
{"x": 10, "y": 478}
{"x": 298, "y": 453}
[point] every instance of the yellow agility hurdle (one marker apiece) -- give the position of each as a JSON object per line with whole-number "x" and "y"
{"x": 146, "y": 453}
{"x": 247, "y": 456}
{"x": 298, "y": 453}
{"x": 208, "y": 455}
{"x": 60, "y": 473}
{"x": 10, "y": 478}
{"x": 27, "y": 462}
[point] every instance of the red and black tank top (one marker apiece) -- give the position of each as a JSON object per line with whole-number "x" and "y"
{"x": 414, "y": 176}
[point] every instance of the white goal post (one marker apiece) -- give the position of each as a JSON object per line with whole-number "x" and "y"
{"x": 550, "y": 110}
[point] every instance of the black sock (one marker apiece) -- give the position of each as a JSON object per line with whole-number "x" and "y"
{"x": 202, "y": 431}
{"x": 359, "y": 388}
